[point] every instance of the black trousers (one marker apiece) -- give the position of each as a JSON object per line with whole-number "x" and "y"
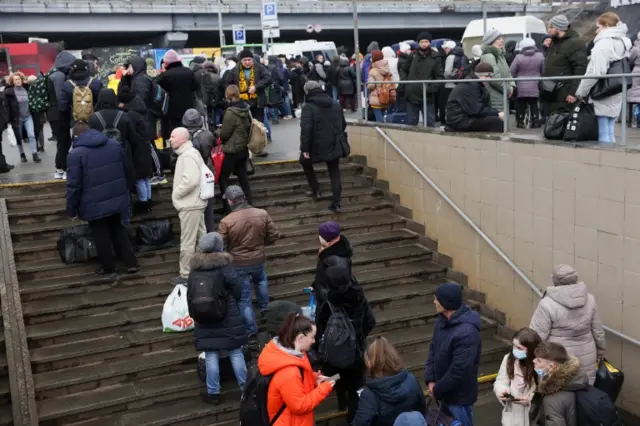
{"x": 443, "y": 98}
{"x": 257, "y": 113}
{"x": 521, "y": 109}
{"x": 351, "y": 380}
{"x": 3, "y": 160}
{"x": 334, "y": 174}
{"x": 236, "y": 164}
{"x": 487, "y": 124}
{"x": 109, "y": 233}
{"x": 62, "y": 133}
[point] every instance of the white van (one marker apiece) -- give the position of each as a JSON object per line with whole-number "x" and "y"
{"x": 308, "y": 48}
{"x": 512, "y": 28}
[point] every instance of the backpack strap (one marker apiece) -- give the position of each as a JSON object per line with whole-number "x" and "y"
{"x": 101, "y": 120}
{"x": 284, "y": 406}
{"x": 117, "y": 120}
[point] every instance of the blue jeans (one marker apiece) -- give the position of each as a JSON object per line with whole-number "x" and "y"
{"x": 606, "y": 127}
{"x": 285, "y": 107}
{"x": 464, "y": 413}
{"x": 636, "y": 114}
{"x": 143, "y": 189}
{"x": 335, "y": 94}
{"x": 267, "y": 123}
{"x": 212, "y": 360}
{"x": 379, "y": 114}
{"x": 258, "y": 275}
{"x": 27, "y": 123}
{"x": 413, "y": 114}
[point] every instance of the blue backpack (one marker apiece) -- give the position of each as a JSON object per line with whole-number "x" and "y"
{"x": 159, "y": 100}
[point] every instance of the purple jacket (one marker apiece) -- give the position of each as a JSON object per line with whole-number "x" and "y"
{"x": 529, "y": 63}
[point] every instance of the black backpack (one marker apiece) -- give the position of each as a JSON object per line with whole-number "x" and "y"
{"x": 461, "y": 67}
{"x": 339, "y": 343}
{"x": 253, "y": 405}
{"x": 111, "y": 132}
{"x": 159, "y": 99}
{"x": 76, "y": 245}
{"x": 595, "y": 408}
{"x": 207, "y": 297}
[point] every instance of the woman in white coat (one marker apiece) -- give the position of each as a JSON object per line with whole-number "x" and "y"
{"x": 517, "y": 379}
{"x": 611, "y": 44}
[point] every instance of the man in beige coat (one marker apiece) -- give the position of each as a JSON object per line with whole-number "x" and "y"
{"x": 186, "y": 199}
{"x": 567, "y": 315}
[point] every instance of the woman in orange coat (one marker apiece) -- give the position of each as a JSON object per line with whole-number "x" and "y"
{"x": 294, "y": 384}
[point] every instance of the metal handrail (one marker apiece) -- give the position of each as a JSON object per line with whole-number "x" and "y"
{"x": 484, "y": 236}
{"x": 505, "y": 95}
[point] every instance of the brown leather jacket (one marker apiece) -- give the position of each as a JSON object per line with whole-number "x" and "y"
{"x": 246, "y": 231}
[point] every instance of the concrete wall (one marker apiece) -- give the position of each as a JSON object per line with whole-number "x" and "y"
{"x": 543, "y": 205}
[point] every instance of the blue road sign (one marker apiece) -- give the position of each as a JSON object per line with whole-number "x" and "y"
{"x": 270, "y": 10}
{"x": 239, "y": 34}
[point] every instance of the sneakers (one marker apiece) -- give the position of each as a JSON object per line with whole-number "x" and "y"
{"x": 315, "y": 195}
{"x": 60, "y": 174}
{"x": 36, "y": 158}
{"x": 210, "y": 398}
{"x": 104, "y": 274}
{"x": 178, "y": 280}
{"x": 335, "y": 207}
{"x": 158, "y": 180}
{"x": 287, "y": 117}
{"x": 132, "y": 269}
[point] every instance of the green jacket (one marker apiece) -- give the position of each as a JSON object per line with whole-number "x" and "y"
{"x": 494, "y": 56}
{"x": 236, "y": 125}
{"x": 566, "y": 56}
{"x": 419, "y": 66}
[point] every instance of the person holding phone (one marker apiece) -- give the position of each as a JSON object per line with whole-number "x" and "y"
{"x": 517, "y": 379}
{"x": 294, "y": 384}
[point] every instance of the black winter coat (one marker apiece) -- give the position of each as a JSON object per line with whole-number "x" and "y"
{"x": 231, "y": 332}
{"x": 4, "y": 113}
{"x": 181, "y": 85}
{"x": 468, "y": 102}
{"x": 320, "y": 122}
{"x": 140, "y": 142}
{"x": 262, "y": 81}
{"x": 298, "y": 79}
{"x": 346, "y": 80}
{"x": 211, "y": 91}
{"x": 141, "y": 85}
{"x": 12, "y": 107}
{"x": 126, "y": 127}
{"x": 422, "y": 66}
{"x": 384, "y": 399}
{"x": 339, "y": 254}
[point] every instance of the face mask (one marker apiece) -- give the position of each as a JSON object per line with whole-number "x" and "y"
{"x": 519, "y": 354}
{"x": 540, "y": 372}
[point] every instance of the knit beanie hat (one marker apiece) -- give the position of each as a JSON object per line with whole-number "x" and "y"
{"x": 527, "y": 42}
{"x": 476, "y": 51}
{"x": 78, "y": 65}
{"x": 234, "y": 193}
{"x": 564, "y": 275}
{"x": 329, "y": 231}
{"x": 311, "y": 85}
{"x": 425, "y": 35}
{"x": 449, "y": 295}
{"x": 449, "y": 44}
{"x": 211, "y": 243}
{"x": 171, "y": 57}
{"x": 492, "y": 35}
{"x": 199, "y": 60}
{"x": 150, "y": 62}
{"x": 125, "y": 95}
{"x": 410, "y": 418}
{"x": 483, "y": 68}
{"x": 376, "y": 56}
{"x": 404, "y": 48}
{"x": 245, "y": 53}
{"x": 559, "y": 22}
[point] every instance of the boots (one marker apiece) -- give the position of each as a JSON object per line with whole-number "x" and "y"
{"x": 36, "y": 158}
{"x": 23, "y": 157}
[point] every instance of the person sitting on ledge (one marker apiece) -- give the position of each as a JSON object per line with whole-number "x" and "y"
{"x": 468, "y": 108}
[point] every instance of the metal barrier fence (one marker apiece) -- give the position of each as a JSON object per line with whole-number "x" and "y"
{"x": 505, "y": 94}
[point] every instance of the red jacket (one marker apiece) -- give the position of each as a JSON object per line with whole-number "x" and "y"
{"x": 287, "y": 387}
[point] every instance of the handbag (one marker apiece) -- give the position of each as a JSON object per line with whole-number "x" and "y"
{"x": 609, "y": 379}
{"x": 250, "y": 166}
{"x": 440, "y": 415}
{"x": 582, "y": 124}
{"x": 606, "y": 87}
{"x": 341, "y": 139}
{"x": 217, "y": 158}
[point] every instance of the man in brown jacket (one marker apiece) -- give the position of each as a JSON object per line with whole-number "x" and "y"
{"x": 246, "y": 230}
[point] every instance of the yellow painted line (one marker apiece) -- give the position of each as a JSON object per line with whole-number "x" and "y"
{"x": 274, "y": 162}
{"x": 35, "y": 183}
{"x": 481, "y": 380}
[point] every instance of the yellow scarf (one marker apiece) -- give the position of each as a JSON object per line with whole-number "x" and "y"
{"x": 244, "y": 87}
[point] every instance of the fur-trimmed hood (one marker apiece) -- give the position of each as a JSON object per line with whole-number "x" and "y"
{"x": 210, "y": 261}
{"x": 567, "y": 377}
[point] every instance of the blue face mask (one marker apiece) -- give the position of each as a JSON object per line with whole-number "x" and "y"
{"x": 519, "y": 354}
{"x": 540, "y": 372}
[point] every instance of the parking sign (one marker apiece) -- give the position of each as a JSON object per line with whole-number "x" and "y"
{"x": 239, "y": 35}
{"x": 269, "y": 14}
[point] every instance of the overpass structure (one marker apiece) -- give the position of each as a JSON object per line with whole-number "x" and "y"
{"x": 133, "y": 16}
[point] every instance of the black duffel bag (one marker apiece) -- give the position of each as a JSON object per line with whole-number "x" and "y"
{"x": 76, "y": 245}
{"x": 556, "y": 125}
{"x": 609, "y": 379}
{"x": 154, "y": 234}
{"x": 583, "y": 124}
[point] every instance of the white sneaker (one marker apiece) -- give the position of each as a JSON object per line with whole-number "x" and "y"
{"x": 60, "y": 174}
{"x": 64, "y": 176}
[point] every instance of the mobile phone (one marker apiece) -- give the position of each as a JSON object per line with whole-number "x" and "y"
{"x": 509, "y": 396}
{"x": 334, "y": 378}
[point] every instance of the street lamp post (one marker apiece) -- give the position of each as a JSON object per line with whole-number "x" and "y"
{"x": 356, "y": 39}
{"x": 220, "y": 30}
{"x": 484, "y": 16}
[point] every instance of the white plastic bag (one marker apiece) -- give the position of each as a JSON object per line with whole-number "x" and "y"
{"x": 207, "y": 183}
{"x": 11, "y": 137}
{"x": 175, "y": 313}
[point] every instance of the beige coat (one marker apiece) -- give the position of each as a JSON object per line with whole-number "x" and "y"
{"x": 379, "y": 71}
{"x": 567, "y": 315}
{"x": 512, "y": 414}
{"x": 186, "y": 179}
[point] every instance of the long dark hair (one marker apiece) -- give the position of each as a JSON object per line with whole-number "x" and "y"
{"x": 294, "y": 324}
{"x": 530, "y": 340}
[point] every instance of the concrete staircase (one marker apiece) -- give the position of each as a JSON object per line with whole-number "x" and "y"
{"x": 98, "y": 355}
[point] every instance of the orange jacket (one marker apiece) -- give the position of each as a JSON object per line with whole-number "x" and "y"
{"x": 287, "y": 387}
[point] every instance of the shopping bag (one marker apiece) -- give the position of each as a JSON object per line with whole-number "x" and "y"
{"x": 175, "y": 313}
{"x": 11, "y": 137}
{"x": 76, "y": 245}
{"x": 556, "y": 125}
{"x": 207, "y": 183}
{"x": 582, "y": 124}
{"x": 217, "y": 158}
{"x": 609, "y": 379}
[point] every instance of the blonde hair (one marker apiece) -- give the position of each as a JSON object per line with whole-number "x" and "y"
{"x": 18, "y": 74}
{"x": 232, "y": 93}
{"x": 608, "y": 19}
{"x": 382, "y": 359}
